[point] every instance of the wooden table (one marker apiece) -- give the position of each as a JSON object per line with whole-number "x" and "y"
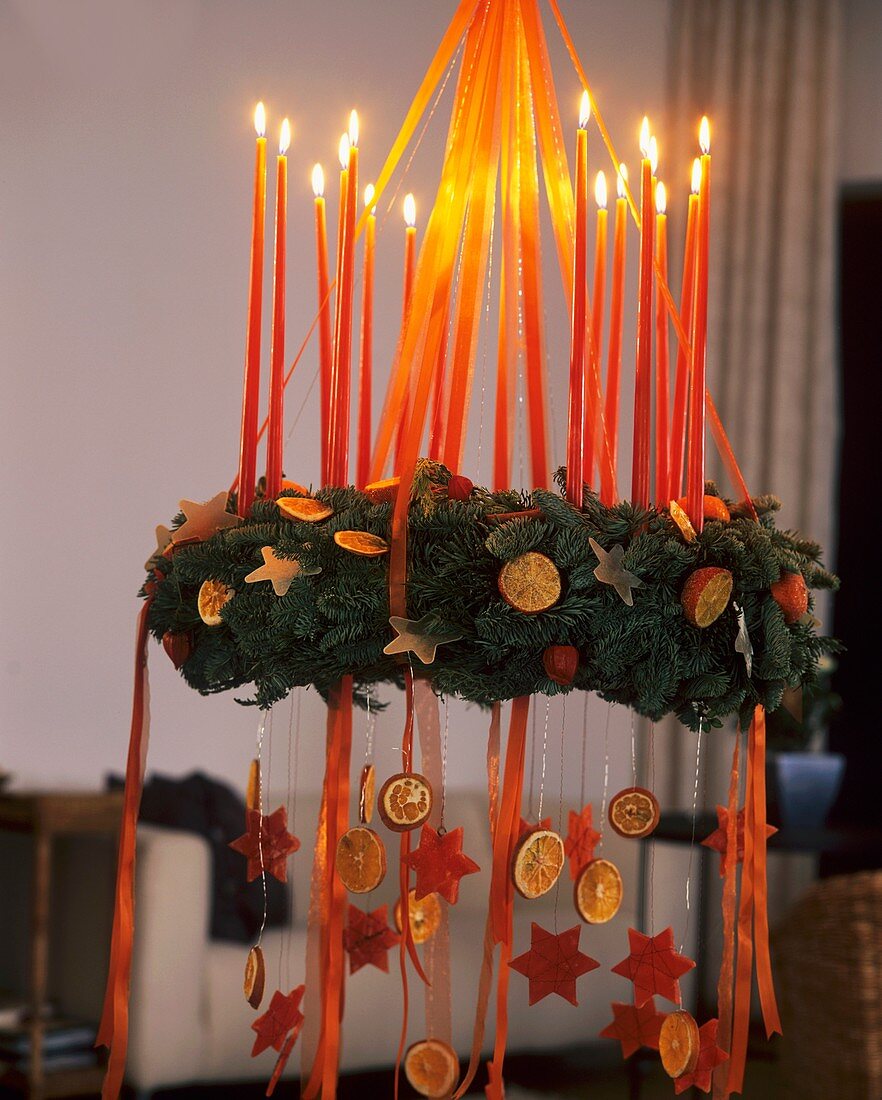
{"x": 46, "y": 815}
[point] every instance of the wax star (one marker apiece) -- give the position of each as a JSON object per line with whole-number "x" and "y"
{"x": 281, "y": 571}
{"x": 580, "y": 840}
{"x": 163, "y": 538}
{"x": 719, "y": 838}
{"x": 203, "y": 520}
{"x": 743, "y": 644}
{"x": 709, "y": 1057}
{"x": 653, "y": 966}
{"x": 553, "y": 963}
{"x": 414, "y": 636}
{"x": 282, "y": 1015}
{"x": 368, "y": 938}
{"x": 266, "y": 844}
{"x": 525, "y": 827}
{"x": 634, "y": 1027}
{"x": 611, "y": 571}
{"x": 440, "y": 863}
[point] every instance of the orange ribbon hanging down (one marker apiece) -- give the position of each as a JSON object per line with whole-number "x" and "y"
{"x": 727, "y": 965}
{"x": 113, "y": 1031}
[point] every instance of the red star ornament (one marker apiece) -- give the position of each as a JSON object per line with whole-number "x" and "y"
{"x": 439, "y": 863}
{"x": 634, "y": 1027}
{"x": 709, "y": 1057}
{"x": 525, "y": 827}
{"x": 368, "y": 938}
{"x": 719, "y": 838}
{"x": 553, "y": 963}
{"x": 653, "y": 966}
{"x": 282, "y": 1015}
{"x": 266, "y": 844}
{"x": 581, "y": 840}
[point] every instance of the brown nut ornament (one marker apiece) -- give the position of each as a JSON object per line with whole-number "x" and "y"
{"x": 634, "y": 812}
{"x": 405, "y": 801}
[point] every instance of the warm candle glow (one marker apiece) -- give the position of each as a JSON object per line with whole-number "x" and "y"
{"x": 369, "y": 193}
{"x": 653, "y": 154}
{"x": 584, "y": 111}
{"x": 343, "y": 151}
{"x": 284, "y": 137}
{"x": 696, "y": 175}
{"x": 409, "y": 210}
{"x": 644, "y": 136}
{"x": 704, "y": 135}
{"x": 600, "y": 190}
{"x": 318, "y": 181}
{"x": 621, "y": 180}
{"x": 353, "y": 128}
{"x": 260, "y": 119}
{"x": 661, "y": 198}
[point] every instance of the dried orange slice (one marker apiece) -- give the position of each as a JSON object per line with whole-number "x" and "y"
{"x": 530, "y": 583}
{"x": 362, "y": 543}
{"x": 295, "y": 487}
{"x": 252, "y": 791}
{"x": 682, "y": 520}
{"x": 308, "y": 509}
{"x": 255, "y": 977}
{"x": 538, "y": 862}
{"x": 431, "y": 1067}
{"x": 634, "y": 812}
{"x": 366, "y": 794}
{"x": 425, "y": 916}
{"x": 598, "y": 892}
{"x": 679, "y": 1044}
{"x": 384, "y": 491}
{"x": 714, "y": 508}
{"x": 361, "y": 860}
{"x": 213, "y": 595}
{"x": 405, "y": 801}
{"x": 705, "y": 595}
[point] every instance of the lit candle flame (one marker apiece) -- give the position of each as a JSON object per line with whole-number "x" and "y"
{"x": 696, "y": 176}
{"x": 704, "y": 135}
{"x": 661, "y": 198}
{"x": 653, "y": 154}
{"x": 260, "y": 119}
{"x": 284, "y": 137}
{"x": 644, "y": 136}
{"x": 409, "y": 210}
{"x": 318, "y": 181}
{"x": 621, "y": 180}
{"x": 600, "y": 190}
{"x": 353, "y": 128}
{"x": 343, "y": 151}
{"x": 369, "y": 193}
{"x": 584, "y": 111}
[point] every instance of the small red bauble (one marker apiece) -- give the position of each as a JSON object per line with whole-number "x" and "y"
{"x": 791, "y": 594}
{"x": 177, "y": 646}
{"x": 560, "y": 663}
{"x": 459, "y": 487}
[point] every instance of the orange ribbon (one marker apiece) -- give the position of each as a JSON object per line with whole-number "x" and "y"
{"x": 727, "y": 966}
{"x": 113, "y": 1031}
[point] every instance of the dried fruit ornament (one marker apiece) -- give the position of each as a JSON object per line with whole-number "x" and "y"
{"x": 530, "y": 583}
{"x": 307, "y": 509}
{"x": 678, "y": 1044}
{"x": 706, "y": 594}
{"x": 424, "y": 914}
{"x": 634, "y": 812}
{"x": 537, "y": 863}
{"x": 431, "y": 1067}
{"x": 405, "y": 801}
{"x": 360, "y": 860}
{"x": 255, "y": 977}
{"x": 598, "y": 892}
{"x": 213, "y": 598}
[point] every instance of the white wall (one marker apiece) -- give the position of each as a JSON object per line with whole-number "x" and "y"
{"x": 124, "y": 220}
{"x": 860, "y": 102}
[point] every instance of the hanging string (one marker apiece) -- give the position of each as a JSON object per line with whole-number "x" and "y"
{"x": 634, "y": 748}
{"x": 584, "y": 750}
{"x": 692, "y": 840}
{"x": 532, "y": 763}
{"x": 261, "y": 729}
{"x": 602, "y": 823}
{"x": 441, "y": 828}
{"x": 544, "y": 756}
{"x": 293, "y": 774}
{"x": 560, "y": 802}
{"x": 651, "y": 785}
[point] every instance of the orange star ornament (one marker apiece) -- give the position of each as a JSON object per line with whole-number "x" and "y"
{"x": 581, "y": 840}
{"x": 439, "y": 863}
{"x": 553, "y": 963}
{"x": 266, "y": 844}
{"x": 653, "y": 966}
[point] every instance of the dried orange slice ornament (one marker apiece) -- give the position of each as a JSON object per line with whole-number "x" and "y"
{"x": 362, "y": 543}
{"x": 705, "y": 595}
{"x": 682, "y": 520}
{"x": 425, "y": 916}
{"x": 679, "y": 1044}
{"x": 530, "y": 583}
{"x": 382, "y": 492}
{"x": 634, "y": 812}
{"x": 255, "y": 977}
{"x": 252, "y": 791}
{"x": 598, "y": 892}
{"x": 307, "y": 509}
{"x": 405, "y": 801}
{"x": 431, "y": 1067}
{"x": 366, "y": 794}
{"x": 361, "y": 860}
{"x": 213, "y": 595}
{"x": 538, "y": 862}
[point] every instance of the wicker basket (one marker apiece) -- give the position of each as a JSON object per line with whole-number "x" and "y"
{"x": 828, "y": 956}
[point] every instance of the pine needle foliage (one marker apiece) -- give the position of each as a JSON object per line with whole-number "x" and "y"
{"x": 647, "y": 656}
